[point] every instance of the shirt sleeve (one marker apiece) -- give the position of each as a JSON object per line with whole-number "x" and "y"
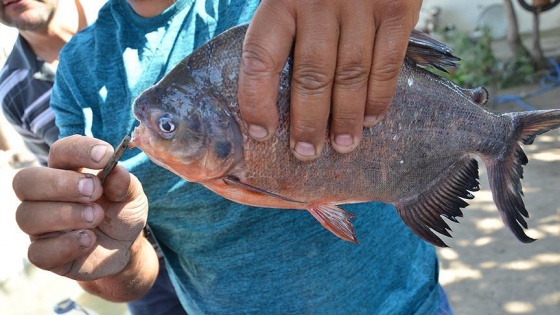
{"x": 25, "y": 105}
{"x": 69, "y": 115}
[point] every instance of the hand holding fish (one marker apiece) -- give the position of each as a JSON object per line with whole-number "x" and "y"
{"x": 79, "y": 228}
{"x": 347, "y": 57}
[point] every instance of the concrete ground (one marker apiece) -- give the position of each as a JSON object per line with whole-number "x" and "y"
{"x": 485, "y": 270}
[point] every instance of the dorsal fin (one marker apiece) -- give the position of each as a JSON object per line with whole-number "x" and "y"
{"x": 427, "y": 51}
{"x": 424, "y": 212}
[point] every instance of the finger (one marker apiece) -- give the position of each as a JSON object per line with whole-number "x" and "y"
{"x": 312, "y": 79}
{"x": 126, "y": 206}
{"x": 39, "y": 218}
{"x": 121, "y": 186}
{"x": 48, "y": 184}
{"x": 351, "y": 79}
{"x": 57, "y": 254}
{"x": 266, "y": 47}
{"x": 391, "y": 41}
{"x": 76, "y": 152}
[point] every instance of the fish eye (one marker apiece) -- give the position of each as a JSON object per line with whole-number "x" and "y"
{"x": 166, "y": 124}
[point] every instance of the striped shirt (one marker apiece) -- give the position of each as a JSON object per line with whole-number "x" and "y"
{"x": 25, "y": 90}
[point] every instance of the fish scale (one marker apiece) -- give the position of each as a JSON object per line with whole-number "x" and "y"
{"x": 418, "y": 157}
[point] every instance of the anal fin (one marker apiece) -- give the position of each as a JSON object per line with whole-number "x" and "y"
{"x": 336, "y": 220}
{"x": 424, "y": 213}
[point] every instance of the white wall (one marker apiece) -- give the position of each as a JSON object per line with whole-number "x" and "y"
{"x": 464, "y": 14}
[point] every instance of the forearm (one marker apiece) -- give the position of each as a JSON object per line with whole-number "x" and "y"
{"x": 133, "y": 281}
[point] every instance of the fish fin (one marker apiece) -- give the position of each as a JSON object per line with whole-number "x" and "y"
{"x": 534, "y": 123}
{"x": 336, "y": 220}
{"x": 505, "y": 173}
{"x": 427, "y": 51}
{"x": 235, "y": 181}
{"x": 425, "y": 212}
{"x": 479, "y": 95}
{"x": 504, "y": 177}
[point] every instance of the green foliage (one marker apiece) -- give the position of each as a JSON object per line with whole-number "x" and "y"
{"x": 515, "y": 71}
{"x": 479, "y": 66}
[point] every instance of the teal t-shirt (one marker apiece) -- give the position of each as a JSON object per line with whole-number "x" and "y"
{"x": 223, "y": 257}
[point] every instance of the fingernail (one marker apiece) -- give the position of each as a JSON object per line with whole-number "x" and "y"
{"x": 88, "y": 214}
{"x": 85, "y": 239}
{"x": 344, "y": 140}
{"x": 257, "y": 132}
{"x": 85, "y": 186}
{"x": 370, "y": 120}
{"x": 97, "y": 152}
{"x": 305, "y": 149}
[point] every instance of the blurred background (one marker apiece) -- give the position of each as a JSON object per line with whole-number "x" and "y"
{"x": 512, "y": 47}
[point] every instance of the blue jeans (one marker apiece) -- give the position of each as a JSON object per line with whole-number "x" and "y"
{"x": 161, "y": 299}
{"x": 444, "y": 307}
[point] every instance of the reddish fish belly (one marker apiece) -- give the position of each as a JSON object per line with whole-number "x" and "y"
{"x": 241, "y": 195}
{"x": 332, "y": 217}
{"x": 250, "y": 198}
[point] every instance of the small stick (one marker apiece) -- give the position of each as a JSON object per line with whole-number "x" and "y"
{"x": 119, "y": 151}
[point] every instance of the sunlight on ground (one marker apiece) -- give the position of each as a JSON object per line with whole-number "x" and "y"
{"x": 483, "y": 241}
{"x": 489, "y": 225}
{"x": 536, "y": 261}
{"x": 459, "y": 271}
{"x": 553, "y": 155}
{"x": 519, "y": 307}
{"x": 550, "y": 299}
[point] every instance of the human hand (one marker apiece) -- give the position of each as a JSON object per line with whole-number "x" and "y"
{"x": 78, "y": 228}
{"x": 347, "y": 57}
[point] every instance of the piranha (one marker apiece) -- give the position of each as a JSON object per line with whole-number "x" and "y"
{"x": 420, "y": 156}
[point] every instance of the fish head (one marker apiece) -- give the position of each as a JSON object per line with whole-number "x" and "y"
{"x": 191, "y": 133}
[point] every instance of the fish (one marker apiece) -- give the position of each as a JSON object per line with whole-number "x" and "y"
{"x": 420, "y": 156}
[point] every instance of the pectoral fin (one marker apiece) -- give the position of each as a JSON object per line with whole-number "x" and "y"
{"x": 336, "y": 220}
{"x": 234, "y": 181}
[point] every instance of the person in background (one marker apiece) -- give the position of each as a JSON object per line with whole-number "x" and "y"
{"x": 26, "y": 82}
{"x": 223, "y": 257}
{"x": 27, "y": 77}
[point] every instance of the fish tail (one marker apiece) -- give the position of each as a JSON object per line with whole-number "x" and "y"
{"x": 506, "y": 171}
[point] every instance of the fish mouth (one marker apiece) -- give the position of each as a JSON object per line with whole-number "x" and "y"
{"x": 139, "y": 133}
{"x": 136, "y": 137}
